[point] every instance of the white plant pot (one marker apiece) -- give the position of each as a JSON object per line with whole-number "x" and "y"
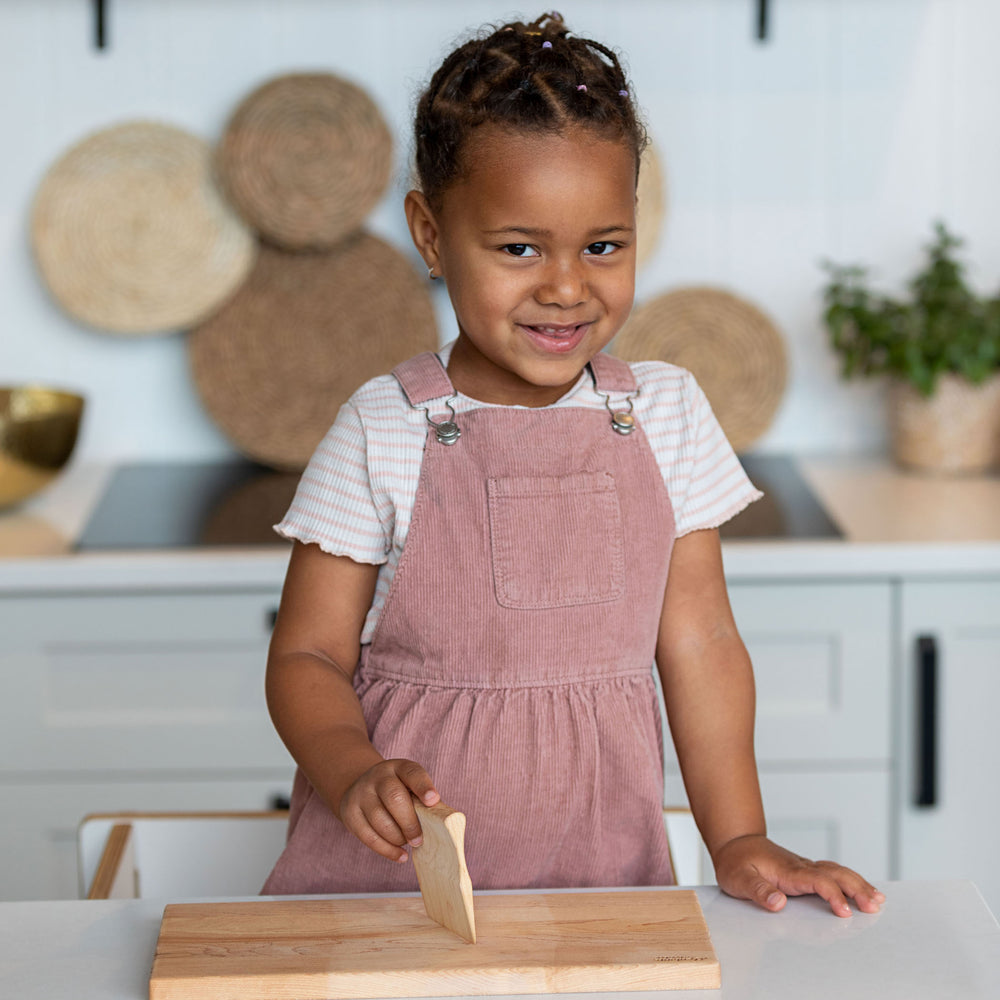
{"x": 954, "y": 431}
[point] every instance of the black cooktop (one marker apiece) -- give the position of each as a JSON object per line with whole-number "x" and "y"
{"x": 185, "y": 505}
{"x": 788, "y": 509}
{"x": 191, "y": 505}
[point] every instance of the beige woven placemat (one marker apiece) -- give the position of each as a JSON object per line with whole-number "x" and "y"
{"x": 734, "y": 351}
{"x": 304, "y": 159}
{"x": 131, "y": 234}
{"x": 305, "y": 330}
{"x": 651, "y": 205}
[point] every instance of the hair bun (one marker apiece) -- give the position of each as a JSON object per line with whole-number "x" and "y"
{"x": 533, "y": 76}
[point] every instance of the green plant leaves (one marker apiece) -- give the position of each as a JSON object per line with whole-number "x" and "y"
{"x": 943, "y": 327}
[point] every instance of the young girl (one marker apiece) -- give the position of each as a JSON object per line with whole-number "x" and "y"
{"x": 479, "y": 584}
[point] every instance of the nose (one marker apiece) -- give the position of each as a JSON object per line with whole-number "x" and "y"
{"x": 563, "y": 284}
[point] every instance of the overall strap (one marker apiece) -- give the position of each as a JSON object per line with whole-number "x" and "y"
{"x": 423, "y": 378}
{"x": 611, "y": 374}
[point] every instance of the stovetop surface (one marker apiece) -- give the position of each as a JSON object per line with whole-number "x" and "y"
{"x": 210, "y": 504}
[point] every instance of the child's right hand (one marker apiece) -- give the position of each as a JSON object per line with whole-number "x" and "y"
{"x": 378, "y": 807}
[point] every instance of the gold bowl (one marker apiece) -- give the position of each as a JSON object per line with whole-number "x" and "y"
{"x": 38, "y": 429}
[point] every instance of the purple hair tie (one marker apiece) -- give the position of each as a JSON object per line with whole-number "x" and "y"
{"x": 546, "y": 45}
{"x": 623, "y": 93}
{"x": 582, "y": 87}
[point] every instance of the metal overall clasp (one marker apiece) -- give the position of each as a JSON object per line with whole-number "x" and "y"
{"x": 446, "y": 431}
{"x": 622, "y": 419}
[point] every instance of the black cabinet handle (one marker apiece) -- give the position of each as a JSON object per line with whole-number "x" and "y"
{"x": 271, "y": 618}
{"x": 927, "y": 721}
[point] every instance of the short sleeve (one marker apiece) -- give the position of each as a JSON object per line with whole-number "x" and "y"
{"x": 704, "y": 479}
{"x": 333, "y": 505}
{"x": 713, "y": 487}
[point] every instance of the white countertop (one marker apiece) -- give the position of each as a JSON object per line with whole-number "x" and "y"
{"x": 932, "y": 940}
{"x": 894, "y": 524}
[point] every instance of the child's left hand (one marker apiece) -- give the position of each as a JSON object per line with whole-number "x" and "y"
{"x": 757, "y": 869}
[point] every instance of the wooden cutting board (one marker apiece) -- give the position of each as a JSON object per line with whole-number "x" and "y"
{"x": 388, "y": 947}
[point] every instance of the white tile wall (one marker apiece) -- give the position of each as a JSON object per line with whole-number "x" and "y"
{"x": 844, "y": 135}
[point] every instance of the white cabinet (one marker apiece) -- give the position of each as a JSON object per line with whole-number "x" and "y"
{"x": 118, "y": 699}
{"x": 949, "y": 742}
{"x": 41, "y": 818}
{"x": 128, "y": 701}
{"x": 822, "y": 654}
{"x": 113, "y": 682}
{"x": 841, "y": 815}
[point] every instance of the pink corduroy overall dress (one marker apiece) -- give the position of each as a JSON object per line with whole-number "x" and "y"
{"x": 513, "y": 657}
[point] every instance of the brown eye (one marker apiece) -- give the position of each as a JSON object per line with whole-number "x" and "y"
{"x": 601, "y": 249}
{"x": 520, "y": 250}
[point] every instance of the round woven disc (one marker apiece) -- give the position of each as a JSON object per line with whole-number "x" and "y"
{"x": 273, "y": 366}
{"x": 651, "y": 206}
{"x": 733, "y": 350}
{"x": 304, "y": 159}
{"x": 131, "y": 234}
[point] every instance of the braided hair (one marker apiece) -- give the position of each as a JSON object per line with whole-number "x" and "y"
{"x": 525, "y": 77}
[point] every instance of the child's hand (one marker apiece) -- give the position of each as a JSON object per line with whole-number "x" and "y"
{"x": 378, "y": 807}
{"x": 757, "y": 869}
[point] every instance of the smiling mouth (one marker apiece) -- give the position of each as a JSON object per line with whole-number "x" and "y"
{"x": 557, "y": 338}
{"x": 559, "y": 332}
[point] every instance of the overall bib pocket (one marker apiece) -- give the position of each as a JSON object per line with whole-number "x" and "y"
{"x": 556, "y": 541}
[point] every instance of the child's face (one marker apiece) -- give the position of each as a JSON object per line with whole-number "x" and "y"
{"x": 536, "y": 241}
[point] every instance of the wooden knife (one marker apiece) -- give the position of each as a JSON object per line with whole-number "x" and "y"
{"x": 440, "y": 865}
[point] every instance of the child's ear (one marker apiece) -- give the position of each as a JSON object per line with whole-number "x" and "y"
{"x": 424, "y": 229}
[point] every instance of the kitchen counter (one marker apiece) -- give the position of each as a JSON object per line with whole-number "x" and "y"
{"x": 38, "y": 539}
{"x": 893, "y": 524}
{"x": 931, "y": 940}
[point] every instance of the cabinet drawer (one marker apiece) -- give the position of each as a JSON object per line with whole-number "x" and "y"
{"x": 833, "y": 815}
{"x": 136, "y": 682}
{"x": 822, "y": 656}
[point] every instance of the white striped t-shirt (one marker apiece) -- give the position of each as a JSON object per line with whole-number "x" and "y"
{"x": 356, "y": 496}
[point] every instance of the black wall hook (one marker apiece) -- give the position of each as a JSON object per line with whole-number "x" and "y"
{"x": 762, "y": 12}
{"x": 100, "y": 24}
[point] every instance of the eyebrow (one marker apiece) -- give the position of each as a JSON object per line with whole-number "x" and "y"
{"x": 535, "y": 233}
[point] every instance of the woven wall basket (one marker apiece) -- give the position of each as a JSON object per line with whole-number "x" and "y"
{"x": 733, "y": 350}
{"x": 304, "y": 159}
{"x": 651, "y": 206}
{"x": 131, "y": 234}
{"x": 305, "y": 330}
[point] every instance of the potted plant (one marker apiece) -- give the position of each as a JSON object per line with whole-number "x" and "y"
{"x": 940, "y": 347}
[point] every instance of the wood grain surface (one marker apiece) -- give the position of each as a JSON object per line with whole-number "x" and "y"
{"x": 387, "y": 947}
{"x": 439, "y": 862}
